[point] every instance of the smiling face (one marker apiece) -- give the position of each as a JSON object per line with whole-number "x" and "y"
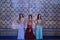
{"x": 30, "y": 17}
{"x": 20, "y": 16}
{"x": 39, "y": 16}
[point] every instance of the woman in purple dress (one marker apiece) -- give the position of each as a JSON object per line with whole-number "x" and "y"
{"x": 21, "y": 27}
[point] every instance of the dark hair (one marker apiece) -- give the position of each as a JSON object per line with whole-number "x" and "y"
{"x": 29, "y": 16}
{"x": 20, "y": 16}
{"x": 38, "y": 16}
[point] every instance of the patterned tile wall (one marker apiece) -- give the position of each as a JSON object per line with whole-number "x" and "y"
{"x": 49, "y": 10}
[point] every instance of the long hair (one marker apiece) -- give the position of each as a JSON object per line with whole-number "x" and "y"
{"x": 29, "y": 16}
{"x": 38, "y": 16}
{"x": 20, "y": 16}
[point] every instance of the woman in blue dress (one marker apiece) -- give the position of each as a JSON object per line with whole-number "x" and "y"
{"x": 39, "y": 27}
{"x": 21, "y": 27}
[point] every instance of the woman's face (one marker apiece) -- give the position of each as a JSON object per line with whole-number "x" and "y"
{"x": 21, "y": 16}
{"x": 39, "y": 16}
{"x": 30, "y": 17}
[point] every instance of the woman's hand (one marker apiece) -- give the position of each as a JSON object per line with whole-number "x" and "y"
{"x": 35, "y": 21}
{"x": 29, "y": 30}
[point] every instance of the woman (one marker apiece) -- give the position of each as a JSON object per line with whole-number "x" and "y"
{"x": 39, "y": 26}
{"x": 29, "y": 31}
{"x": 21, "y": 27}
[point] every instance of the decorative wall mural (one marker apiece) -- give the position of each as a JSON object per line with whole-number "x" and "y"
{"x": 49, "y": 10}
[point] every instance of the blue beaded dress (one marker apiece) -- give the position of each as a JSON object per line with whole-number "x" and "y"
{"x": 39, "y": 34}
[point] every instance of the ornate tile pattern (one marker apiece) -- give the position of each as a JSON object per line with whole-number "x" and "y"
{"x": 49, "y": 10}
